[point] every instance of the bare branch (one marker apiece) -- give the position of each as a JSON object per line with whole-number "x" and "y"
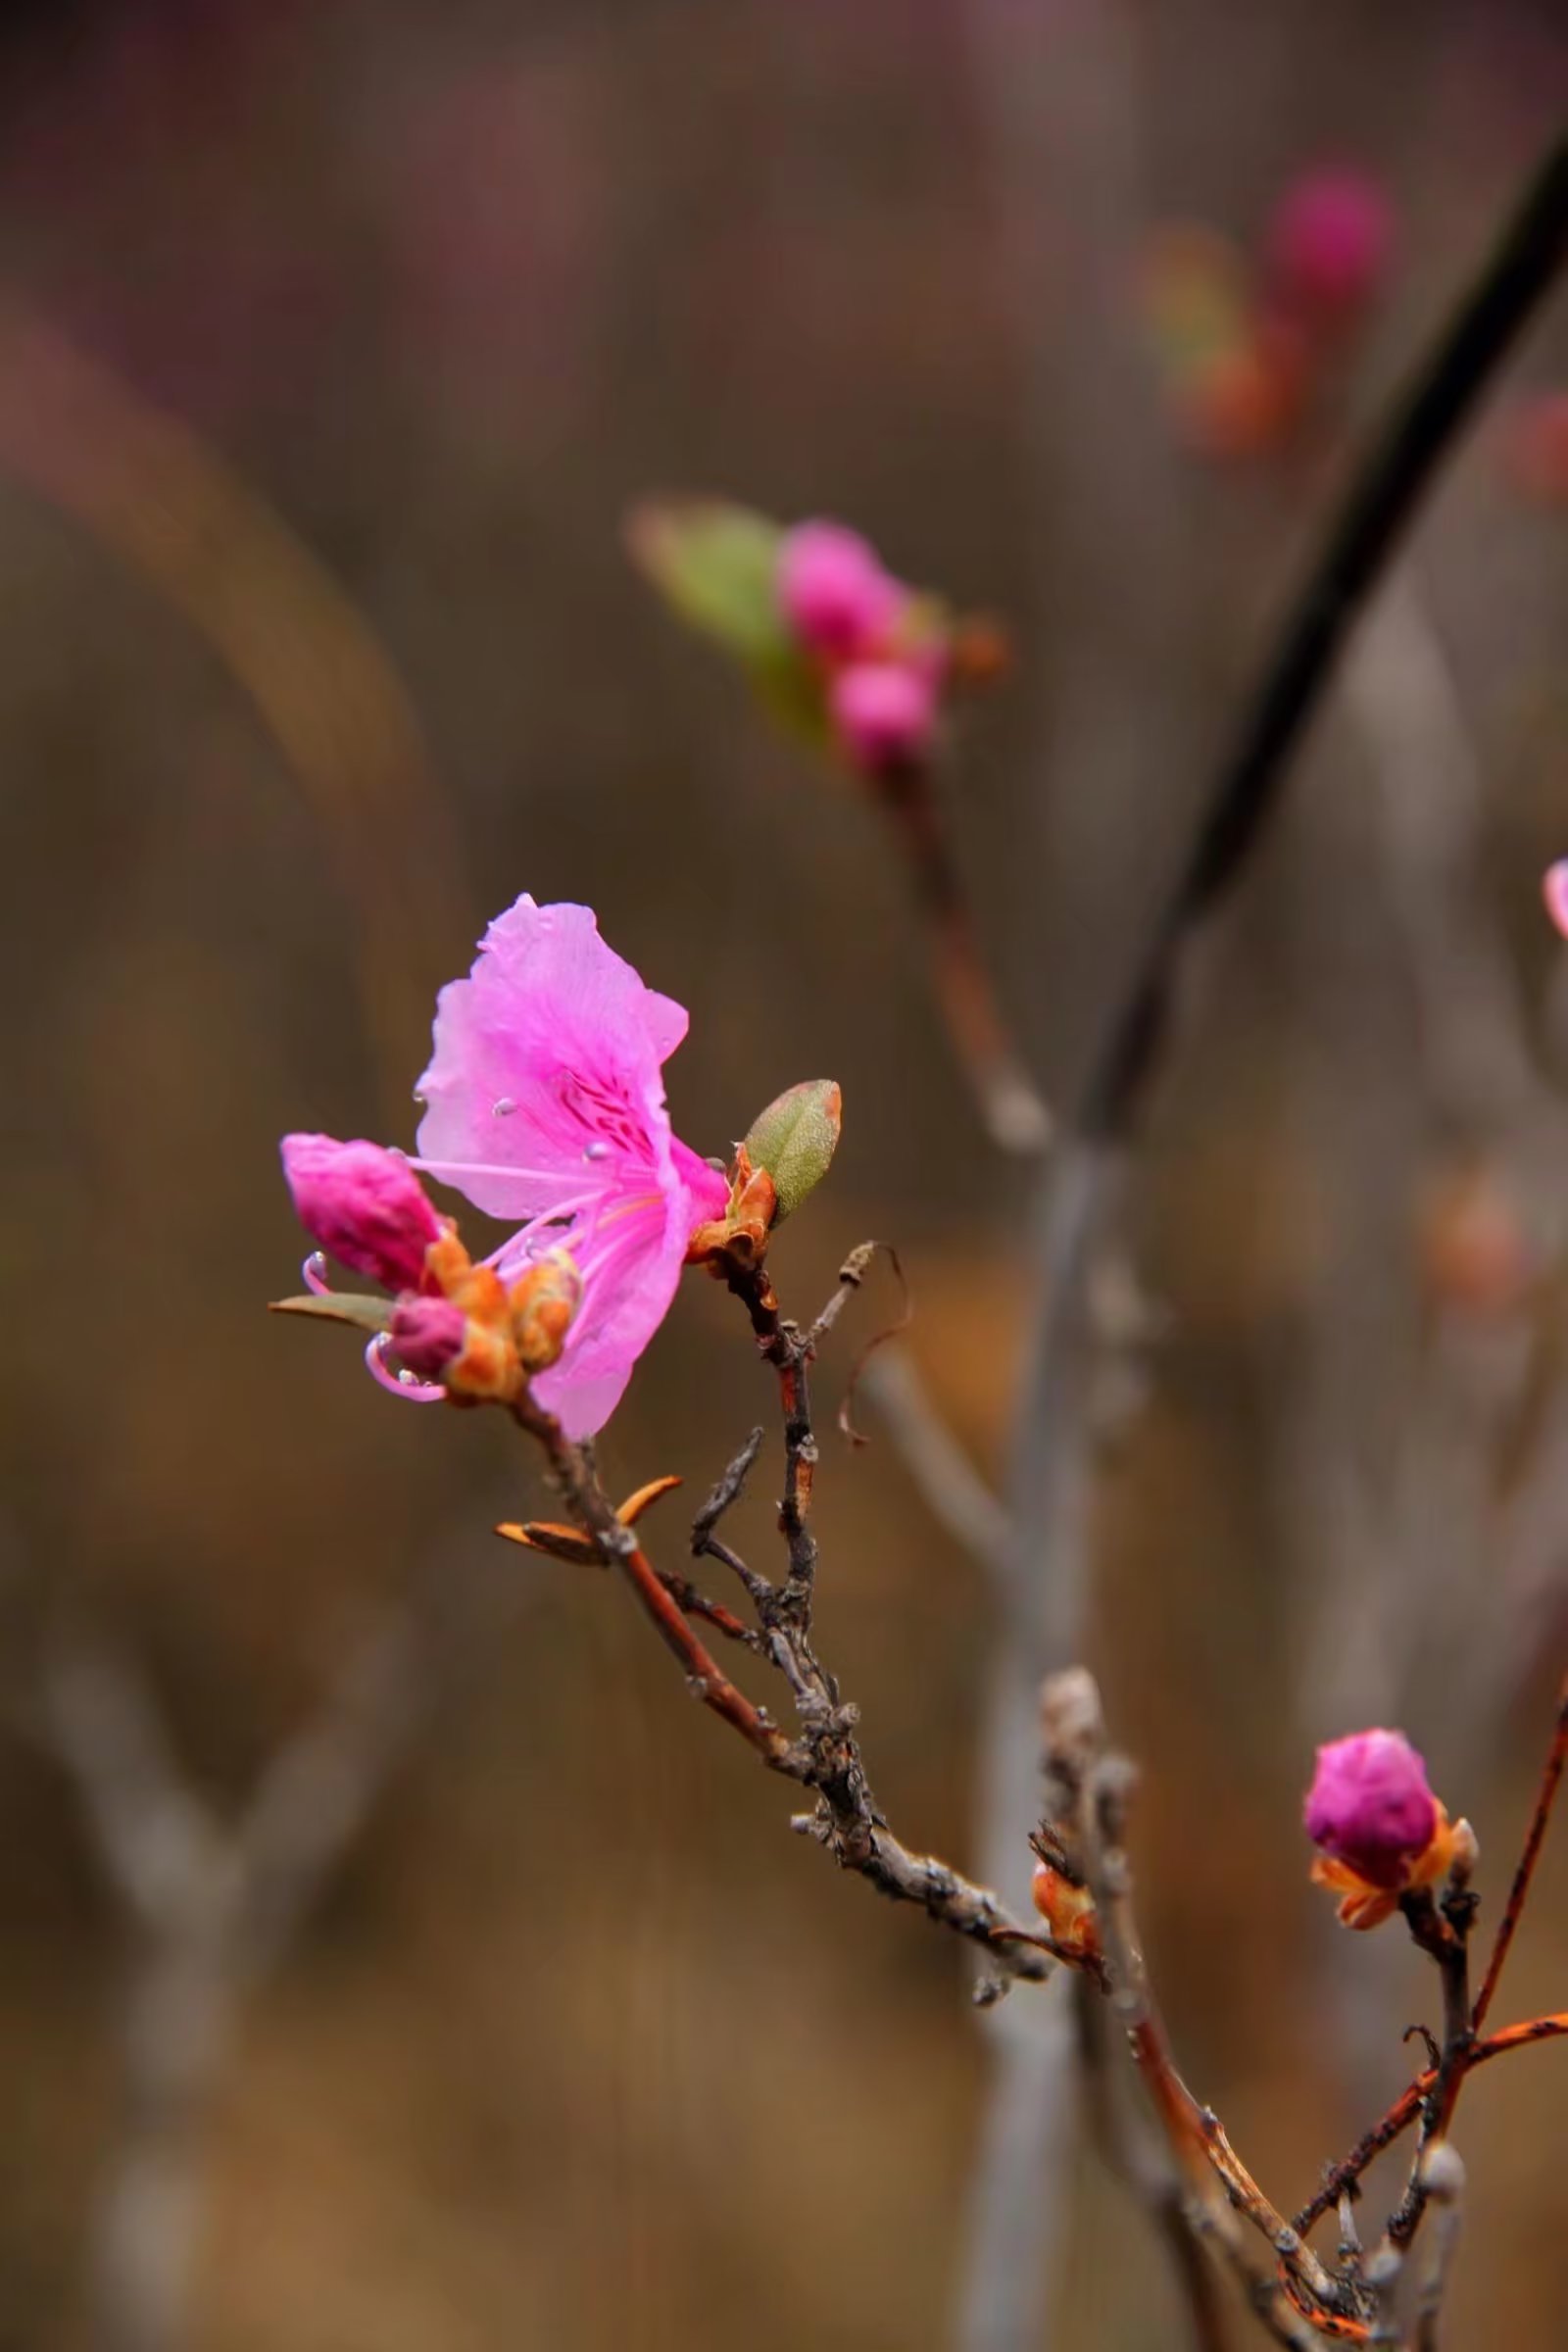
{"x": 947, "y": 1480}
{"x": 159, "y": 1846}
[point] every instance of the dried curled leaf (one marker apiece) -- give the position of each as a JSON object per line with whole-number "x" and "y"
{"x": 793, "y": 1140}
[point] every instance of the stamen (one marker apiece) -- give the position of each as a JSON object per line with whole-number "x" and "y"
{"x": 314, "y": 1274}
{"x": 552, "y": 1224}
{"x": 593, "y": 1266}
{"x": 399, "y": 1383}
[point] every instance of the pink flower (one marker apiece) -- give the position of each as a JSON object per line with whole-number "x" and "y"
{"x": 836, "y": 595}
{"x": 1555, "y": 890}
{"x": 363, "y": 1204}
{"x": 1328, "y": 241}
{"x": 1369, "y": 1806}
{"x": 884, "y": 713}
{"x": 545, "y": 1103}
{"x": 425, "y": 1335}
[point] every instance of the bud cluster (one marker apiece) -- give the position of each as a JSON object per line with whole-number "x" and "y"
{"x": 881, "y": 649}
{"x": 452, "y": 1325}
{"x": 1247, "y": 343}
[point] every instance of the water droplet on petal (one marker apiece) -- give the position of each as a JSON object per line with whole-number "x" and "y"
{"x": 599, "y": 1151}
{"x": 501, "y": 1107}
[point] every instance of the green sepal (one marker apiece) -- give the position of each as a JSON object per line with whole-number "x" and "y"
{"x": 358, "y": 1307}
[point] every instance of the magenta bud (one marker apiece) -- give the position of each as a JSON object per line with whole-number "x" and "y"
{"x": 884, "y": 715}
{"x": 364, "y": 1204}
{"x": 835, "y": 593}
{"x": 427, "y": 1334}
{"x": 1369, "y": 1806}
{"x": 1554, "y": 891}
{"x": 1328, "y": 241}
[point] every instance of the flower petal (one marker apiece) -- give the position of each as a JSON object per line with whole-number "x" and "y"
{"x": 547, "y": 1060}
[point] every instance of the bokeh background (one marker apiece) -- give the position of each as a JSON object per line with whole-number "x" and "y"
{"x": 578, "y": 2045}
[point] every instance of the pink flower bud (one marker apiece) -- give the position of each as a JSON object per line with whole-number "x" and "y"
{"x": 836, "y": 595}
{"x": 1329, "y": 242}
{"x": 427, "y": 1334}
{"x": 1369, "y": 1806}
{"x": 364, "y": 1204}
{"x": 1554, "y": 891}
{"x": 884, "y": 715}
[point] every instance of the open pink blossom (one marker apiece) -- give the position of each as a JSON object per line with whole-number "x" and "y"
{"x": 545, "y": 1103}
{"x": 364, "y": 1204}
{"x": 1369, "y": 1806}
{"x": 837, "y": 596}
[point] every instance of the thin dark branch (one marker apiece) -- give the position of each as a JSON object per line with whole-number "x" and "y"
{"x": 726, "y": 1490}
{"x": 826, "y": 1757}
{"x": 1379, "y": 504}
{"x": 1443, "y": 1933}
{"x": 1341, "y": 2177}
{"x": 1514, "y": 1909}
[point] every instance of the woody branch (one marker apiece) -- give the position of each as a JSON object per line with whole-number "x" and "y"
{"x": 825, "y": 1756}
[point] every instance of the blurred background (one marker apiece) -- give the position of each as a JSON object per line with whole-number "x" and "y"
{"x": 336, "y": 341}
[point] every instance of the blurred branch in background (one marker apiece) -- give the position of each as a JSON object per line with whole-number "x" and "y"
{"x": 143, "y": 485}
{"x": 1054, "y": 89}
{"x": 1008, "y": 2250}
{"x": 211, "y": 1908}
{"x": 1449, "y": 1176}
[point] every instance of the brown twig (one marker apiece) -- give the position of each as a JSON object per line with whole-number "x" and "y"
{"x": 619, "y": 1547}
{"x": 1443, "y": 1933}
{"x": 1342, "y": 2178}
{"x": 1146, "y": 2165}
{"x": 726, "y": 1490}
{"x": 826, "y": 1757}
{"x": 852, "y": 1274}
{"x": 788, "y": 1348}
{"x": 1016, "y": 1117}
{"x": 1507, "y": 1926}
{"x": 1150, "y": 2164}
{"x": 1185, "y": 2192}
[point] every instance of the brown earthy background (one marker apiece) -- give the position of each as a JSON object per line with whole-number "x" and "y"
{"x": 580, "y": 2046}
